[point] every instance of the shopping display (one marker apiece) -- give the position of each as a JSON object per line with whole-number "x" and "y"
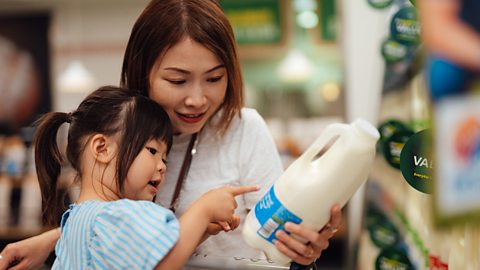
{"x": 328, "y": 172}
{"x": 428, "y": 155}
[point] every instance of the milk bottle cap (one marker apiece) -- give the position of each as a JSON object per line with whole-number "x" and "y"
{"x": 366, "y": 129}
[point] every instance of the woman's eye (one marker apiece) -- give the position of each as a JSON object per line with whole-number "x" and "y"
{"x": 176, "y": 82}
{"x": 164, "y": 161}
{"x": 152, "y": 151}
{"x": 214, "y": 79}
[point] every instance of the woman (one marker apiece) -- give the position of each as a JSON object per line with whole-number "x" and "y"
{"x": 182, "y": 54}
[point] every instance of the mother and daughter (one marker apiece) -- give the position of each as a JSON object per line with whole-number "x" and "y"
{"x": 182, "y": 55}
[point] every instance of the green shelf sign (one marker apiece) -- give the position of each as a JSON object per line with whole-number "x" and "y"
{"x": 255, "y": 22}
{"x": 327, "y": 20}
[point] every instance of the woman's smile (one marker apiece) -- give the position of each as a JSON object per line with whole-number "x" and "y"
{"x": 190, "y": 83}
{"x": 191, "y": 118}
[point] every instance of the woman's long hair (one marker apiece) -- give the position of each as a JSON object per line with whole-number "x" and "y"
{"x": 163, "y": 24}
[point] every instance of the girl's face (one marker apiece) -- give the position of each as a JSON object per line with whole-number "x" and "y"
{"x": 190, "y": 83}
{"x": 147, "y": 172}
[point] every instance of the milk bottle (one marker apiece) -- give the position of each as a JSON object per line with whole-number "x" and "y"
{"x": 329, "y": 172}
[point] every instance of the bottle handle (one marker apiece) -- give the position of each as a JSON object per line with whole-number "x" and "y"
{"x": 327, "y": 135}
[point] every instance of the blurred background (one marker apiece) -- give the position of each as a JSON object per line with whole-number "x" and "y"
{"x": 306, "y": 64}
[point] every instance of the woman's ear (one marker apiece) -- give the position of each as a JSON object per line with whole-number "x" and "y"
{"x": 103, "y": 148}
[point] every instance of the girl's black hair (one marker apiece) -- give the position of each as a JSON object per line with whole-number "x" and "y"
{"x": 108, "y": 110}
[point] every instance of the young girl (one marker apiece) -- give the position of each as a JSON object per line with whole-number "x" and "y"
{"x": 118, "y": 142}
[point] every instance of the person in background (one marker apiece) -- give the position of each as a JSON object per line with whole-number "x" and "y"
{"x": 114, "y": 224}
{"x": 451, "y": 33}
{"x": 183, "y": 55}
{"x": 11, "y": 155}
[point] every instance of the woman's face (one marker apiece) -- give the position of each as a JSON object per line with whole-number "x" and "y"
{"x": 190, "y": 83}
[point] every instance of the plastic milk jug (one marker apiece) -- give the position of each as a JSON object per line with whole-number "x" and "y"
{"x": 328, "y": 172}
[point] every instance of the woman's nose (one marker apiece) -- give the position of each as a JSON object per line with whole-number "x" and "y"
{"x": 196, "y": 97}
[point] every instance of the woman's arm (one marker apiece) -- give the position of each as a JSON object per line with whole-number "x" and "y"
{"x": 30, "y": 253}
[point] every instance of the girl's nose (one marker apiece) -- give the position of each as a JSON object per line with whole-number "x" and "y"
{"x": 161, "y": 167}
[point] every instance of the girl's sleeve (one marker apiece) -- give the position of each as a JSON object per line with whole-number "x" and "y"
{"x": 132, "y": 235}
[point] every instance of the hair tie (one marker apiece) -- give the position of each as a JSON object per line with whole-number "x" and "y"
{"x": 69, "y": 117}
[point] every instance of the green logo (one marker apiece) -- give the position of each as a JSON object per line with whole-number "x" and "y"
{"x": 380, "y": 4}
{"x": 394, "y": 51}
{"x": 392, "y": 259}
{"x": 383, "y": 233}
{"x": 405, "y": 27}
{"x": 393, "y": 145}
{"x": 416, "y": 162}
{"x": 389, "y": 127}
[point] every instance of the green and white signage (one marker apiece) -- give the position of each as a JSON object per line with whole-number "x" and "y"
{"x": 393, "y": 258}
{"x": 394, "y": 51}
{"x": 393, "y": 145}
{"x": 389, "y": 127}
{"x": 416, "y": 161}
{"x": 255, "y": 22}
{"x": 380, "y": 4}
{"x": 405, "y": 27}
{"x": 383, "y": 233}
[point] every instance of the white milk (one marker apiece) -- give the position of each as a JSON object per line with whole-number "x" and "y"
{"x": 329, "y": 172}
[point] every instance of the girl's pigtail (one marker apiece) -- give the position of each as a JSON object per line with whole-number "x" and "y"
{"x": 48, "y": 162}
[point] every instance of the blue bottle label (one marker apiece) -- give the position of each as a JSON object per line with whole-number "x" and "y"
{"x": 272, "y": 215}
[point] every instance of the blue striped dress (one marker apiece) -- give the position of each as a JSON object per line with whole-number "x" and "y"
{"x": 121, "y": 234}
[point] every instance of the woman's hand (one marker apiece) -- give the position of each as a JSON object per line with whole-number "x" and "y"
{"x": 30, "y": 253}
{"x": 306, "y": 254}
{"x": 216, "y": 227}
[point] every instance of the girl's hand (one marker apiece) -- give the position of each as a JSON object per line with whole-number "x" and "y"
{"x": 219, "y": 204}
{"x": 306, "y": 254}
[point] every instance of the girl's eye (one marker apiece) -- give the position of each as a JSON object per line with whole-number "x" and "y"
{"x": 164, "y": 161}
{"x": 176, "y": 82}
{"x": 215, "y": 79}
{"x": 152, "y": 151}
